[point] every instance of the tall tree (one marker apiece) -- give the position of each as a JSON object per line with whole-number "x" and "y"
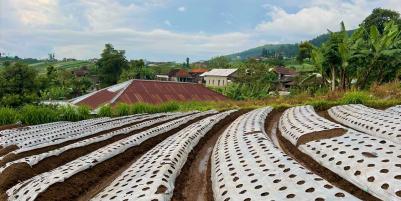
{"x": 219, "y": 62}
{"x": 376, "y": 50}
{"x": 111, "y": 64}
{"x": 379, "y": 18}
{"x": 305, "y": 51}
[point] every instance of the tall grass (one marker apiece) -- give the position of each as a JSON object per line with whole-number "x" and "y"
{"x": 122, "y": 109}
{"x": 105, "y": 111}
{"x": 31, "y": 114}
{"x": 356, "y": 97}
{"x": 8, "y": 116}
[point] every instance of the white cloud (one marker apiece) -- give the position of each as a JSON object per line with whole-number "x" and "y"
{"x": 316, "y": 17}
{"x": 167, "y": 22}
{"x": 182, "y": 8}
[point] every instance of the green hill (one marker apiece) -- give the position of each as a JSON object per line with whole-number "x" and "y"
{"x": 286, "y": 50}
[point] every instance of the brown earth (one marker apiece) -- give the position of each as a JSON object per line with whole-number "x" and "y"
{"x": 12, "y": 157}
{"x": 8, "y": 149}
{"x": 12, "y": 175}
{"x": 271, "y": 125}
{"x": 87, "y": 183}
{"x": 194, "y": 182}
{"x": 10, "y": 126}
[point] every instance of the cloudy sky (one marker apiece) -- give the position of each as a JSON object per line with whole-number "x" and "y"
{"x": 161, "y": 30}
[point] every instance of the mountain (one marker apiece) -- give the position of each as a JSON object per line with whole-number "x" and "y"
{"x": 286, "y": 50}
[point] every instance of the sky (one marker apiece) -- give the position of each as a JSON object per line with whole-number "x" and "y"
{"x": 169, "y": 30}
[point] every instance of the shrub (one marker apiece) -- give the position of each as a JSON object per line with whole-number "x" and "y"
{"x": 168, "y": 107}
{"x": 8, "y": 116}
{"x": 83, "y": 112}
{"x": 139, "y": 108}
{"x": 356, "y": 97}
{"x": 105, "y": 111}
{"x": 321, "y": 104}
{"x": 68, "y": 113}
{"x": 122, "y": 109}
{"x": 31, "y": 114}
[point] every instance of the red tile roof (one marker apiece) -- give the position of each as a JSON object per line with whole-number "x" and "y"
{"x": 178, "y": 73}
{"x": 198, "y": 70}
{"x": 151, "y": 91}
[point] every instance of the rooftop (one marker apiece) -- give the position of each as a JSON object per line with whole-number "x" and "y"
{"x": 220, "y": 72}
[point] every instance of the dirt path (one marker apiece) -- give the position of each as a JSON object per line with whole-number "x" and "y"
{"x": 193, "y": 183}
{"x": 86, "y": 184}
{"x": 271, "y": 126}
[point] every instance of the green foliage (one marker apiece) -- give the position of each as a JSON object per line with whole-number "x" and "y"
{"x": 305, "y": 51}
{"x": 137, "y": 70}
{"x": 31, "y": 114}
{"x": 139, "y": 108}
{"x": 122, "y": 109}
{"x": 321, "y": 104}
{"x": 105, "y": 111}
{"x": 69, "y": 113}
{"x": 379, "y": 18}
{"x": 111, "y": 64}
{"x": 83, "y": 112}
{"x": 219, "y": 62}
{"x": 356, "y": 97}
{"x": 8, "y": 116}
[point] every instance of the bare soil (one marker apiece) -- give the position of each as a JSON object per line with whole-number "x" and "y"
{"x": 194, "y": 182}
{"x": 21, "y": 171}
{"x": 8, "y": 149}
{"x": 86, "y": 184}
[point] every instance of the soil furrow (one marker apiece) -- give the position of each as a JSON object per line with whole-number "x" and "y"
{"x": 12, "y": 157}
{"x": 323, "y": 172}
{"x": 86, "y": 184}
{"x": 22, "y": 171}
{"x": 194, "y": 181}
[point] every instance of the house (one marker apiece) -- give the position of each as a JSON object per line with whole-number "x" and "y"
{"x": 80, "y": 72}
{"x": 162, "y": 77}
{"x": 286, "y": 77}
{"x": 179, "y": 75}
{"x": 195, "y": 74}
{"x": 147, "y": 91}
{"x": 219, "y": 77}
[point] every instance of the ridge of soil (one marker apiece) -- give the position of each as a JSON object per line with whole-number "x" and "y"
{"x": 8, "y": 149}
{"x": 323, "y": 172}
{"x": 326, "y": 134}
{"x": 12, "y": 157}
{"x": 192, "y": 184}
{"x": 22, "y": 171}
{"x": 86, "y": 184}
{"x": 271, "y": 122}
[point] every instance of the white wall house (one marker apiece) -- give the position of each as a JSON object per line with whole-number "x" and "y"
{"x": 218, "y": 77}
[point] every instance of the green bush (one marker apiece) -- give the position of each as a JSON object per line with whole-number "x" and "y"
{"x": 322, "y": 104}
{"x": 105, "y": 111}
{"x": 68, "y": 113}
{"x": 8, "y": 116}
{"x": 139, "y": 108}
{"x": 122, "y": 109}
{"x": 356, "y": 97}
{"x": 83, "y": 112}
{"x": 31, "y": 114}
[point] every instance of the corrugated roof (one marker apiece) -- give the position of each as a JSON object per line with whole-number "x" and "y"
{"x": 198, "y": 70}
{"x": 151, "y": 91}
{"x": 220, "y": 72}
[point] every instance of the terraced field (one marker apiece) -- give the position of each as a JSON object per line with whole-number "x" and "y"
{"x": 349, "y": 152}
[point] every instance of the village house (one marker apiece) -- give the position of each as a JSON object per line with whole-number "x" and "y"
{"x": 286, "y": 77}
{"x": 218, "y": 77}
{"x": 196, "y": 74}
{"x": 179, "y": 75}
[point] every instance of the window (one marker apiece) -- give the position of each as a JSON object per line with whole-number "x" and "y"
{"x": 213, "y": 82}
{"x": 218, "y": 82}
{"x": 223, "y": 82}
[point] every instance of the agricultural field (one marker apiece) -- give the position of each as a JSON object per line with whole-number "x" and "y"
{"x": 348, "y": 152}
{"x": 67, "y": 65}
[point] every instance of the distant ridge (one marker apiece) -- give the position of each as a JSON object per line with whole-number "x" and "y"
{"x": 286, "y": 50}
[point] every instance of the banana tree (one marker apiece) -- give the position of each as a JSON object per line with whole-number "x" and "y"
{"x": 377, "y": 47}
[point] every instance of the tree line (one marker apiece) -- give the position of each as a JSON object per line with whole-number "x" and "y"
{"x": 371, "y": 54}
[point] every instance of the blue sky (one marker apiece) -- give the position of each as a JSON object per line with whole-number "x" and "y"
{"x": 169, "y": 30}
